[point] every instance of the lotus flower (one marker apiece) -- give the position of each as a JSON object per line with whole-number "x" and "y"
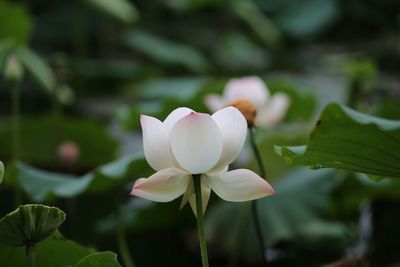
{"x": 189, "y": 143}
{"x": 251, "y": 96}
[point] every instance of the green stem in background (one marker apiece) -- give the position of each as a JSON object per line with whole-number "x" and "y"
{"x": 15, "y": 98}
{"x": 256, "y": 218}
{"x": 200, "y": 221}
{"x": 241, "y": 222}
{"x": 16, "y": 119}
{"x": 355, "y": 92}
{"x": 30, "y": 253}
{"x": 121, "y": 238}
{"x": 57, "y": 114}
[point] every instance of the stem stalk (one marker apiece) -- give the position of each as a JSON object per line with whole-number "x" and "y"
{"x": 200, "y": 220}
{"x": 256, "y": 217}
{"x": 30, "y": 253}
{"x": 122, "y": 244}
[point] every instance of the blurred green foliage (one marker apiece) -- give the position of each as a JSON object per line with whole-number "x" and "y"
{"x": 92, "y": 67}
{"x": 293, "y": 214}
{"x": 44, "y": 186}
{"x": 47, "y": 134}
{"x": 1, "y": 171}
{"x": 16, "y": 23}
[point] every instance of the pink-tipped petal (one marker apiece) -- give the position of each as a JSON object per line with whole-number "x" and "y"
{"x": 274, "y": 111}
{"x": 163, "y": 186}
{"x": 196, "y": 142}
{"x": 156, "y": 143}
{"x": 250, "y": 88}
{"x": 233, "y": 128}
{"x": 205, "y": 196}
{"x": 175, "y": 116}
{"x": 240, "y": 185}
{"x": 214, "y": 102}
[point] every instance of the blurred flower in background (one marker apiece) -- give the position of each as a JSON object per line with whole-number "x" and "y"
{"x": 251, "y": 96}
{"x": 68, "y": 152}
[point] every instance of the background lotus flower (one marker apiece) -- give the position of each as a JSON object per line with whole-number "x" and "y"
{"x": 189, "y": 143}
{"x": 252, "y": 97}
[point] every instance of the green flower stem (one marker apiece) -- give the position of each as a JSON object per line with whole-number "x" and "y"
{"x": 257, "y": 153}
{"x": 254, "y": 209}
{"x": 30, "y": 253}
{"x": 122, "y": 244}
{"x": 200, "y": 221}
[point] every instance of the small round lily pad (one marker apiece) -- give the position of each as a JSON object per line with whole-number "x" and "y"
{"x": 29, "y": 224}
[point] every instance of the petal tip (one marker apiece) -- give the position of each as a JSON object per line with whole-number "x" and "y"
{"x": 143, "y": 118}
{"x": 137, "y": 184}
{"x": 270, "y": 191}
{"x": 133, "y": 191}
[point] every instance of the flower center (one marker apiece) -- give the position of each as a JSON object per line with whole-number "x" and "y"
{"x": 248, "y": 109}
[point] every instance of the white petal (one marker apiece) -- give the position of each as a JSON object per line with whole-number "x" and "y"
{"x": 156, "y": 143}
{"x": 205, "y": 196}
{"x": 274, "y": 111}
{"x": 196, "y": 142}
{"x": 188, "y": 194}
{"x": 214, "y": 102}
{"x": 175, "y": 116}
{"x": 163, "y": 186}
{"x": 216, "y": 171}
{"x": 240, "y": 185}
{"x": 233, "y": 128}
{"x": 251, "y": 88}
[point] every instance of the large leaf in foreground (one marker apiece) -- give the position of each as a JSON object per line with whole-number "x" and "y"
{"x": 54, "y": 251}
{"x": 294, "y": 213}
{"x": 30, "y": 223}
{"x": 41, "y": 185}
{"x": 101, "y": 259}
{"x": 349, "y": 140}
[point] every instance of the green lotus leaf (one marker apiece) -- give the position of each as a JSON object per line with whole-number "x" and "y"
{"x": 41, "y": 142}
{"x": 30, "y": 223}
{"x": 54, "y": 251}
{"x": 349, "y": 140}
{"x": 101, "y": 259}
{"x": 41, "y": 185}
